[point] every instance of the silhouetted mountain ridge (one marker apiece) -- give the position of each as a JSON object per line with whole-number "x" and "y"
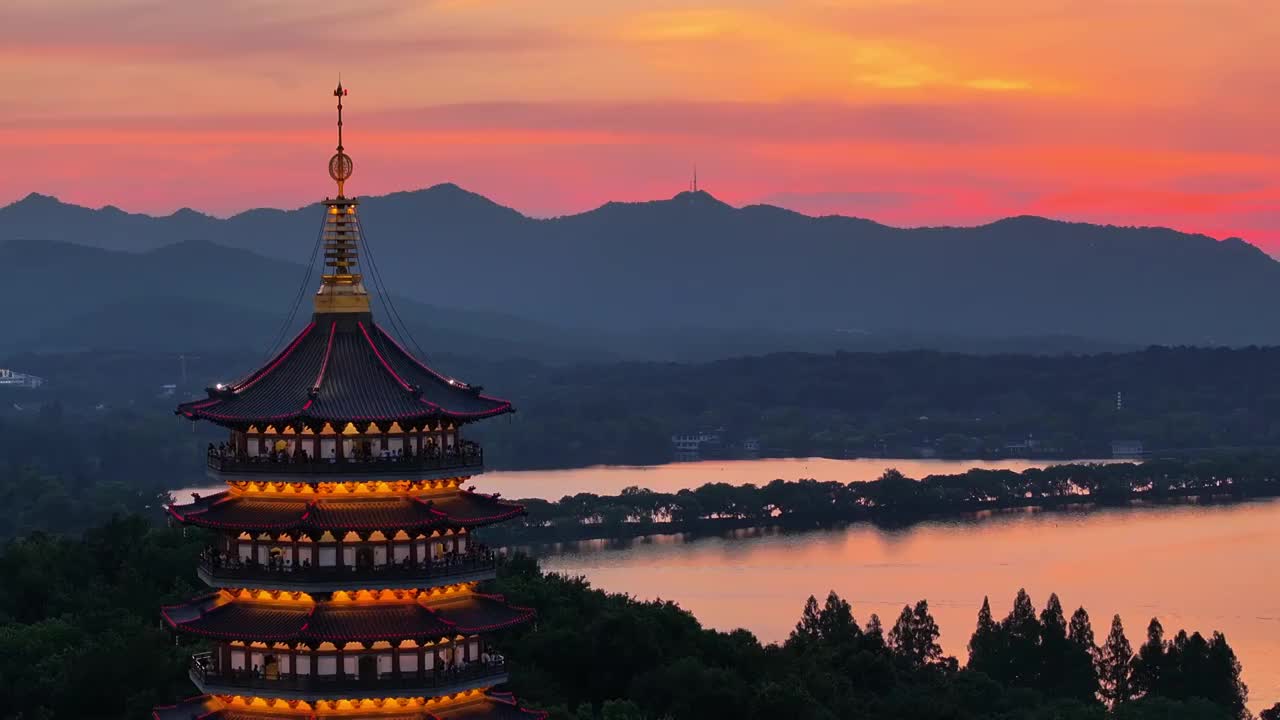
{"x": 195, "y": 295}
{"x": 638, "y": 269}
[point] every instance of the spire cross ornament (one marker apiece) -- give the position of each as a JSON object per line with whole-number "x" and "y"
{"x": 340, "y": 165}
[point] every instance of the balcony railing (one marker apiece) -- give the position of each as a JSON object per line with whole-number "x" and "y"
{"x": 469, "y": 456}
{"x": 234, "y": 571}
{"x": 438, "y": 681}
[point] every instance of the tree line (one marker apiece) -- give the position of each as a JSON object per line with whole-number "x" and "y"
{"x": 601, "y": 656}
{"x": 892, "y": 497}
{"x": 889, "y": 404}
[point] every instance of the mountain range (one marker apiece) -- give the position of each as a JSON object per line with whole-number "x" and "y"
{"x": 668, "y": 279}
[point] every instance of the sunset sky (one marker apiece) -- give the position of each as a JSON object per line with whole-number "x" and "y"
{"x": 910, "y": 112}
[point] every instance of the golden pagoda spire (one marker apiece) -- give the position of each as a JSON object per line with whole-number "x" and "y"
{"x": 340, "y": 165}
{"x": 341, "y": 287}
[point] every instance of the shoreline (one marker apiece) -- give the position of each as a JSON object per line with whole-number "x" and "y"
{"x": 531, "y": 536}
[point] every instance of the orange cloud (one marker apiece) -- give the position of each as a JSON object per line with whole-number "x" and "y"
{"x": 919, "y": 112}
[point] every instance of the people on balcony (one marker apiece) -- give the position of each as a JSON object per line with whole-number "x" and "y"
{"x": 464, "y": 451}
{"x": 478, "y": 555}
{"x": 445, "y": 670}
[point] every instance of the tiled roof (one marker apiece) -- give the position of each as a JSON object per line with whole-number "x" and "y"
{"x": 216, "y": 615}
{"x": 238, "y": 512}
{"x": 343, "y": 369}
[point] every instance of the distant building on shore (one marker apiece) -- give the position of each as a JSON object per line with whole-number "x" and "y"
{"x": 1127, "y": 450}
{"x": 10, "y": 378}
{"x": 696, "y": 445}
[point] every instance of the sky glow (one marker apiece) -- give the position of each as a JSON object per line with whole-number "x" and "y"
{"x": 910, "y": 112}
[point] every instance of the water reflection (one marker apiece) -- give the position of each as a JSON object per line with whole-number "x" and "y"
{"x": 555, "y": 484}
{"x": 610, "y": 480}
{"x": 1200, "y": 567}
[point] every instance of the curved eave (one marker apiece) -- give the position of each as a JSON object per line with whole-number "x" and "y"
{"x": 216, "y": 617}
{"x": 341, "y": 370}
{"x": 310, "y": 419}
{"x": 225, "y": 511}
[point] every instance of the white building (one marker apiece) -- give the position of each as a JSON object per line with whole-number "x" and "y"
{"x": 9, "y": 378}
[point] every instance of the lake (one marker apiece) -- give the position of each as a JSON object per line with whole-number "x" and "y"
{"x": 1196, "y": 567}
{"x": 555, "y": 484}
{"x": 610, "y": 480}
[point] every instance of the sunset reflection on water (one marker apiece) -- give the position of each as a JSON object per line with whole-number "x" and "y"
{"x": 610, "y": 480}
{"x": 1201, "y": 568}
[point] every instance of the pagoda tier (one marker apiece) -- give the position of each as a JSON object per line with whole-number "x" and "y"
{"x": 230, "y": 510}
{"x": 344, "y": 368}
{"x": 422, "y": 617}
{"x": 359, "y": 645}
{"x": 467, "y": 706}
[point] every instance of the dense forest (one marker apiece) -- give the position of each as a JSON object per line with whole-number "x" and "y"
{"x": 63, "y": 473}
{"x": 904, "y": 404}
{"x": 71, "y": 610}
{"x": 1172, "y": 400}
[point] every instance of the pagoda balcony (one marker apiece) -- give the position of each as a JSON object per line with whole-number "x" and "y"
{"x": 227, "y": 466}
{"x": 209, "y": 678}
{"x": 218, "y": 571}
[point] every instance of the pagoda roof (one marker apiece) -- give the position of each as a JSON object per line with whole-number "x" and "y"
{"x": 344, "y": 368}
{"x": 231, "y": 511}
{"x": 218, "y": 615}
{"x": 493, "y": 706}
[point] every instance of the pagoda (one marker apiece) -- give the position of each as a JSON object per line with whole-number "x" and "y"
{"x": 344, "y": 571}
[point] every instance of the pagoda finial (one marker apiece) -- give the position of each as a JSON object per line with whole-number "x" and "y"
{"x": 340, "y": 165}
{"x": 341, "y": 286}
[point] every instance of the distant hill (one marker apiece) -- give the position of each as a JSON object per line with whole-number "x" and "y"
{"x": 637, "y": 275}
{"x": 195, "y": 295}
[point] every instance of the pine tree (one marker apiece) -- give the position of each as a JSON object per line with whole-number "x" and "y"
{"x": 985, "y": 646}
{"x": 1150, "y": 664}
{"x": 1080, "y": 676}
{"x": 1023, "y": 632}
{"x": 1052, "y": 656}
{"x": 873, "y": 635}
{"x": 1114, "y": 662}
{"x": 1222, "y": 677}
{"x": 914, "y": 637}
{"x": 836, "y": 625}
{"x": 1081, "y": 631}
{"x": 807, "y": 630}
{"x": 1053, "y": 622}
